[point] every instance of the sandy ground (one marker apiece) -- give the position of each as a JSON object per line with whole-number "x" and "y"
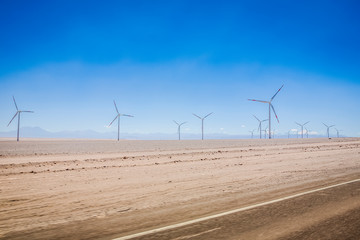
{"x": 103, "y": 189}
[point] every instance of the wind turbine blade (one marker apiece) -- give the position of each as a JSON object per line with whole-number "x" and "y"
{"x": 256, "y": 118}
{"x": 28, "y": 111}
{"x": 182, "y": 123}
{"x": 196, "y": 116}
{"x": 306, "y": 123}
{"x": 13, "y": 118}
{"x": 274, "y": 110}
{"x": 258, "y": 100}
{"x": 208, "y": 115}
{"x": 126, "y": 115}
{"x": 265, "y": 120}
{"x": 331, "y": 126}
{"x": 176, "y": 122}
{"x": 325, "y": 125}
{"x": 116, "y": 107}
{"x": 15, "y": 104}
{"x": 259, "y": 127}
{"x": 276, "y": 93}
{"x": 114, "y": 119}
{"x": 298, "y": 124}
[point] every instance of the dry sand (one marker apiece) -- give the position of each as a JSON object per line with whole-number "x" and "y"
{"x": 102, "y": 188}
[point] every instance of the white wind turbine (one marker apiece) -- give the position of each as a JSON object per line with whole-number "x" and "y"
{"x": 202, "y": 123}
{"x": 118, "y": 117}
{"x": 302, "y": 128}
{"x": 252, "y": 133}
{"x": 266, "y": 131}
{"x": 260, "y": 124}
{"x": 179, "y": 125}
{"x": 18, "y": 112}
{"x": 270, "y": 107}
{"x": 307, "y": 133}
{"x": 328, "y": 129}
{"x": 337, "y": 132}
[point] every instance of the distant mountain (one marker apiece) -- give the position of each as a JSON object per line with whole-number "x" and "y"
{"x": 37, "y": 132}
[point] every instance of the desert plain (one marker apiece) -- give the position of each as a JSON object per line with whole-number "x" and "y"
{"x": 105, "y": 189}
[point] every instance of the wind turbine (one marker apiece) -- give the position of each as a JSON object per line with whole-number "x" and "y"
{"x": 327, "y": 130}
{"x": 202, "y": 123}
{"x": 270, "y": 107}
{"x": 118, "y": 117}
{"x": 260, "y": 122}
{"x": 337, "y": 132}
{"x": 252, "y": 133}
{"x": 179, "y": 125}
{"x": 18, "y": 112}
{"x": 266, "y": 131}
{"x": 302, "y": 128}
{"x": 307, "y": 133}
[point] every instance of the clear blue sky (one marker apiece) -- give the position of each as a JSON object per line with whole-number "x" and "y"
{"x": 164, "y": 60}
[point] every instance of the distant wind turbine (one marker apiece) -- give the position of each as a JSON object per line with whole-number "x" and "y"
{"x": 118, "y": 117}
{"x": 202, "y": 123}
{"x": 179, "y": 125}
{"x": 337, "y": 132}
{"x": 327, "y": 129}
{"x": 307, "y": 133}
{"x": 252, "y": 133}
{"x": 18, "y": 112}
{"x": 266, "y": 131}
{"x": 289, "y": 133}
{"x": 260, "y": 122}
{"x": 302, "y": 128}
{"x": 270, "y": 107}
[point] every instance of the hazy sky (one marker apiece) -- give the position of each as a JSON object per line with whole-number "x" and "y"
{"x": 164, "y": 60}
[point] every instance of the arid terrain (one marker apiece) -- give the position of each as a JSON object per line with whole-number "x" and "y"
{"x": 104, "y": 189}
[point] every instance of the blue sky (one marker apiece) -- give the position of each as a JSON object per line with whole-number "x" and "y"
{"x": 164, "y": 60}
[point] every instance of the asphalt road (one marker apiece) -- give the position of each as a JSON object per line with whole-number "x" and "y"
{"x": 333, "y": 213}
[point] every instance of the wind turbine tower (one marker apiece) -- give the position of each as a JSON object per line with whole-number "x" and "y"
{"x": 260, "y": 122}
{"x": 266, "y": 131}
{"x": 302, "y": 128}
{"x": 179, "y": 125}
{"x": 202, "y": 123}
{"x": 18, "y": 113}
{"x": 270, "y": 107}
{"x": 328, "y": 129}
{"x": 118, "y": 118}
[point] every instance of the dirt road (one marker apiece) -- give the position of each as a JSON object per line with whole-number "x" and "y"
{"x": 331, "y": 213}
{"x": 103, "y": 189}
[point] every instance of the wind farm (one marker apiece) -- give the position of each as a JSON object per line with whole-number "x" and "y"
{"x": 180, "y": 120}
{"x": 120, "y": 183}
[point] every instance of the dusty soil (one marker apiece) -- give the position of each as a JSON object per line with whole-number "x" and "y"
{"x": 103, "y": 189}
